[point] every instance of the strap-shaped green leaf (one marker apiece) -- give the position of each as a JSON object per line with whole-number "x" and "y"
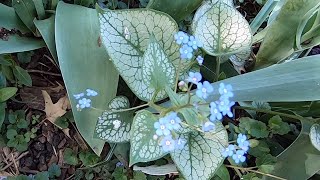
{"x": 221, "y": 29}
{"x": 115, "y": 127}
{"x": 125, "y": 34}
{"x": 143, "y": 147}
{"x": 315, "y": 136}
{"x": 201, "y": 156}
{"x": 157, "y": 70}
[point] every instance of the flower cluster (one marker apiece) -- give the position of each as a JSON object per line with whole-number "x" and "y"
{"x": 218, "y": 108}
{"x": 189, "y": 44}
{"x": 84, "y": 100}
{"x": 165, "y": 127}
{"x": 237, "y": 152}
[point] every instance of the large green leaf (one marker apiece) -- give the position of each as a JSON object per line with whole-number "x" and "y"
{"x": 221, "y": 29}
{"x": 115, "y": 126}
{"x": 46, "y": 29}
{"x": 157, "y": 70}
{"x": 279, "y": 41}
{"x": 126, "y": 33}
{"x": 178, "y": 9}
{"x": 26, "y": 11}
{"x": 315, "y": 136}
{"x": 16, "y": 43}
{"x": 300, "y": 160}
{"x": 10, "y": 19}
{"x": 84, "y": 64}
{"x": 143, "y": 147}
{"x": 278, "y": 83}
{"x": 201, "y": 157}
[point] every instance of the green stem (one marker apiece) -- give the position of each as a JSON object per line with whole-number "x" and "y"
{"x": 218, "y": 68}
{"x": 296, "y": 117}
{"x": 177, "y": 76}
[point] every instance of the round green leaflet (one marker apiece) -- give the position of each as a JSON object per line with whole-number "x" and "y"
{"x": 221, "y": 29}
{"x": 201, "y": 157}
{"x": 144, "y": 147}
{"x": 115, "y": 127}
{"x": 315, "y": 136}
{"x": 125, "y": 34}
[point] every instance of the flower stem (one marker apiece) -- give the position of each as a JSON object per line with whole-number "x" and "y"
{"x": 177, "y": 76}
{"x": 250, "y": 169}
{"x": 296, "y": 117}
{"x": 218, "y": 68}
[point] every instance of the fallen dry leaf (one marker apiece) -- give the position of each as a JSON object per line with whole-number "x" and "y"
{"x": 54, "y": 111}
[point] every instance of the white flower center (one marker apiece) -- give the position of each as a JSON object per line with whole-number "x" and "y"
{"x": 186, "y": 51}
{"x": 168, "y": 143}
{"x": 225, "y": 90}
{"x": 172, "y": 121}
{"x": 194, "y": 79}
{"x": 204, "y": 90}
{"x": 181, "y": 38}
{"x": 239, "y": 156}
{"x": 155, "y": 137}
{"x": 162, "y": 127}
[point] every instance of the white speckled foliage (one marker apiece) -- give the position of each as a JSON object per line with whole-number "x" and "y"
{"x": 114, "y": 127}
{"x": 221, "y": 29}
{"x": 143, "y": 147}
{"x": 201, "y": 156}
{"x": 315, "y": 136}
{"x": 157, "y": 70}
{"x": 125, "y": 35}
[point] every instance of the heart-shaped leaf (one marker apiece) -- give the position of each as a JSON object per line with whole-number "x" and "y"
{"x": 315, "y": 136}
{"x": 157, "y": 70}
{"x": 221, "y": 29}
{"x": 143, "y": 147}
{"x": 125, "y": 34}
{"x": 115, "y": 126}
{"x": 201, "y": 157}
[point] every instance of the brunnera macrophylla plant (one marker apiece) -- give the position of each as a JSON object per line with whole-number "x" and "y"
{"x": 154, "y": 58}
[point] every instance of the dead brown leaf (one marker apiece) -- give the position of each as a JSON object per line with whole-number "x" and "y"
{"x": 54, "y": 111}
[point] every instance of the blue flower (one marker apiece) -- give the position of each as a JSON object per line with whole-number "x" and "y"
{"x": 200, "y": 60}
{"x": 173, "y": 121}
{"x": 119, "y": 164}
{"x": 215, "y": 113}
{"x": 225, "y": 90}
{"x": 239, "y": 156}
{"x": 181, "y": 37}
{"x": 243, "y": 142}
{"x": 225, "y": 105}
{"x": 194, "y": 77}
{"x": 180, "y": 143}
{"x": 229, "y": 151}
{"x": 203, "y": 90}
{"x": 161, "y": 127}
{"x": 186, "y": 52}
{"x": 208, "y": 126}
{"x": 167, "y": 143}
{"x": 91, "y": 92}
{"x": 84, "y": 103}
{"x": 194, "y": 43}
{"x": 78, "y": 96}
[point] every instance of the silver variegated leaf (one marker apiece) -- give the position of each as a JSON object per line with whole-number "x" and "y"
{"x": 201, "y": 157}
{"x": 157, "y": 70}
{"x": 125, "y": 34}
{"x": 315, "y": 135}
{"x": 144, "y": 147}
{"x": 221, "y": 29}
{"x": 114, "y": 127}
